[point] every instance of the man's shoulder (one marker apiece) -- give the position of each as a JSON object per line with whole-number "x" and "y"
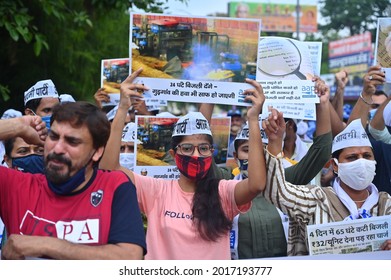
{"x": 114, "y": 176}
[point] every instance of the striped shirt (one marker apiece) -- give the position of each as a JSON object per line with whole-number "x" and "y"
{"x": 308, "y": 205}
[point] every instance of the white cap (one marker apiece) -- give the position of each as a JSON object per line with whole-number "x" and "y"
{"x": 66, "y": 98}
{"x": 302, "y": 128}
{"x": 111, "y": 114}
{"x": 165, "y": 115}
{"x": 191, "y": 124}
{"x": 129, "y": 133}
{"x": 387, "y": 114}
{"x": 11, "y": 113}
{"x": 353, "y": 135}
{"x": 245, "y": 132}
{"x": 41, "y": 89}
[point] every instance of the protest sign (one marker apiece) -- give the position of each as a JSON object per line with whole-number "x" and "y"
{"x": 383, "y": 46}
{"x": 363, "y": 235}
{"x": 153, "y": 157}
{"x": 113, "y": 73}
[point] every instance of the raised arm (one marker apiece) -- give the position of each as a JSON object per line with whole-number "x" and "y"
{"x": 249, "y": 188}
{"x": 341, "y": 79}
{"x": 377, "y": 126}
{"x": 319, "y": 152}
{"x": 373, "y": 78}
{"x": 110, "y": 158}
{"x": 31, "y": 128}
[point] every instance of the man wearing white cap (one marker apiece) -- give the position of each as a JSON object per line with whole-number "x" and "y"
{"x": 40, "y": 99}
{"x": 128, "y": 141}
{"x": 263, "y": 230}
{"x": 190, "y": 218}
{"x": 352, "y": 195}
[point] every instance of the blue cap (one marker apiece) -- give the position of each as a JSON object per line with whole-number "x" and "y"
{"x": 235, "y": 112}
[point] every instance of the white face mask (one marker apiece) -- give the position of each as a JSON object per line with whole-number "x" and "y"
{"x": 357, "y": 174}
{"x": 127, "y": 160}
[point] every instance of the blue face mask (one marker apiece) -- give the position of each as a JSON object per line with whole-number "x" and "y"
{"x": 46, "y": 119}
{"x": 243, "y": 166}
{"x": 31, "y": 164}
{"x": 70, "y": 185}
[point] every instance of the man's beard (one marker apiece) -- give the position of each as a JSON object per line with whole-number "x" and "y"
{"x": 235, "y": 129}
{"x": 53, "y": 174}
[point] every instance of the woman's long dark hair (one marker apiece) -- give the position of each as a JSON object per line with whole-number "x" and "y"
{"x": 208, "y": 215}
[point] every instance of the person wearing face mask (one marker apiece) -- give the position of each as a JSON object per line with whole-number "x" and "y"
{"x": 40, "y": 99}
{"x": 263, "y": 230}
{"x": 352, "y": 195}
{"x": 84, "y": 212}
{"x": 190, "y": 218}
{"x": 23, "y": 157}
{"x": 369, "y": 98}
{"x": 128, "y": 140}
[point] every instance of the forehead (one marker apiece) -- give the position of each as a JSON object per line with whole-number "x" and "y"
{"x": 196, "y": 138}
{"x": 19, "y": 143}
{"x": 356, "y": 150}
{"x": 48, "y": 102}
{"x": 67, "y": 130}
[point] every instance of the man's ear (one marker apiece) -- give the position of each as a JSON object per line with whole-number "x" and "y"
{"x": 235, "y": 155}
{"x": 28, "y": 112}
{"x": 334, "y": 165}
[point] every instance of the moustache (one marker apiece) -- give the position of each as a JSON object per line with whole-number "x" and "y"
{"x": 59, "y": 158}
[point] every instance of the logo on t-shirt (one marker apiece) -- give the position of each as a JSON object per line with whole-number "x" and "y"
{"x": 77, "y": 231}
{"x": 96, "y": 198}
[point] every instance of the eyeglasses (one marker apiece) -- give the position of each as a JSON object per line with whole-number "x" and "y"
{"x": 188, "y": 149}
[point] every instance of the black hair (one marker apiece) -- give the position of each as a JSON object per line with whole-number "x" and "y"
{"x": 294, "y": 124}
{"x": 380, "y": 92}
{"x": 9, "y": 145}
{"x": 81, "y": 113}
{"x": 239, "y": 142}
{"x": 208, "y": 214}
{"x": 33, "y": 104}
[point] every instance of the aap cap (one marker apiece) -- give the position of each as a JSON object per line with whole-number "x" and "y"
{"x": 191, "y": 124}
{"x": 353, "y": 135}
{"x": 66, "y": 98}
{"x": 244, "y": 133}
{"x": 387, "y": 114}
{"x": 129, "y": 133}
{"x": 302, "y": 128}
{"x": 41, "y": 89}
{"x": 11, "y": 113}
{"x": 165, "y": 115}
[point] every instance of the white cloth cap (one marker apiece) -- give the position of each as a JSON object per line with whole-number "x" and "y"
{"x": 66, "y": 98}
{"x": 302, "y": 128}
{"x": 129, "y": 133}
{"x": 165, "y": 115}
{"x": 11, "y": 113}
{"x": 387, "y": 114}
{"x": 191, "y": 124}
{"x": 353, "y": 135}
{"x": 41, "y": 89}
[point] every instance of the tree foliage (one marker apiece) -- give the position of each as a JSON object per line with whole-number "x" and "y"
{"x": 357, "y": 16}
{"x": 63, "y": 41}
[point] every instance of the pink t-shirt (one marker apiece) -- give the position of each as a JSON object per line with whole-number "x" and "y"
{"x": 170, "y": 233}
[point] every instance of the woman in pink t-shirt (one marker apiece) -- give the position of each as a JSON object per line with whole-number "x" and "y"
{"x": 190, "y": 218}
